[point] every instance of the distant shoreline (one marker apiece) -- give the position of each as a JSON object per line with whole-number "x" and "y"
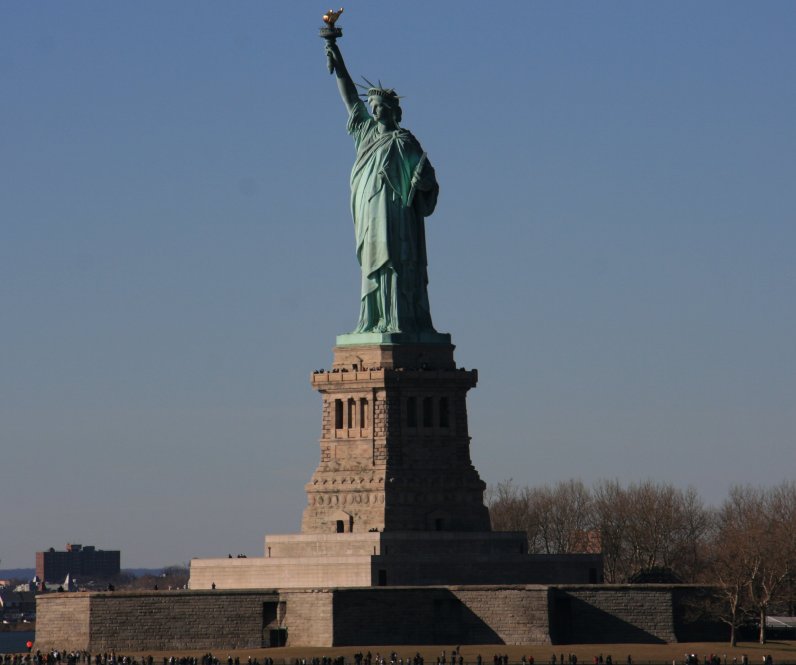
{"x": 18, "y": 627}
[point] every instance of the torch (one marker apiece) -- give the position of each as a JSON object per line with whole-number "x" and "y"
{"x": 330, "y": 33}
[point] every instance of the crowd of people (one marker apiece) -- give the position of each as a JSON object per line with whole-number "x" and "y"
{"x": 66, "y": 657}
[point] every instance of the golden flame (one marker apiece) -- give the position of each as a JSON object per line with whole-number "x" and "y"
{"x": 331, "y": 16}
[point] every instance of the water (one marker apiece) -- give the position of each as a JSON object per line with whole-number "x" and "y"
{"x": 14, "y": 642}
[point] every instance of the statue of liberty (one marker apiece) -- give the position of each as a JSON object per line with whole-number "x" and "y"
{"x": 393, "y": 189}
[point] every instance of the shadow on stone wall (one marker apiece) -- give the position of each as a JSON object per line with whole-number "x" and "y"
{"x": 436, "y": 616}
{"x": 574, "y": 620}
{"x": 694, "y": 616}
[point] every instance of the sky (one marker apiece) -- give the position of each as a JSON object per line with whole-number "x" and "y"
{"x": 613, "y": 250}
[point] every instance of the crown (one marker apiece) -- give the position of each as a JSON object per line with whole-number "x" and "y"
{"x": 371, "y": 90}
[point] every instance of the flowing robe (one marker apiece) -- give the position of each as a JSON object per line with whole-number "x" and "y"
{"x": 390, "y": 233}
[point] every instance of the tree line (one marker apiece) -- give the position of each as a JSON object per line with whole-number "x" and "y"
{"x": 743, "y": 551}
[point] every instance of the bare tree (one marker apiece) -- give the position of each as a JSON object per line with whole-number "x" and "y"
{"x": 666, "y": 528}
{"x": 745, "y": 551}
{"x": 772, "y": 547}
{"x": 567, "y": 518}
{"x": 556, "y": 519}
{"x": 512, "y": 509}
{"x": 786, "y": 507}
{"x": 734, "y": 564}
{"x": 612, "y": 515}
{"x": 753, "y": 553}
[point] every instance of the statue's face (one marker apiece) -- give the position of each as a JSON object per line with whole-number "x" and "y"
{"x": 382, "y": 113}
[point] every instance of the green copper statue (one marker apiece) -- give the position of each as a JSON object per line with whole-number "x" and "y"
{"x": 393, "y": 189}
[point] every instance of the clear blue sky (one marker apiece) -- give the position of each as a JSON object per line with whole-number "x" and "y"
{"x": 613, "y": 249}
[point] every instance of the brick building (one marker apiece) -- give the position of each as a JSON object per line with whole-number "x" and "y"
{"x": 78, "y": 561}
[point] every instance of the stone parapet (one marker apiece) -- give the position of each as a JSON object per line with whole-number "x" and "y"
{"x": 394, "y": 558}
{"x": 374, "y": 378}
{"x": 427, "y": 568}
{"x": 393, "y": 356}
{"x": 413, "y": 544}
{"x": 288, "y": 572}
{"x": 302, "y": 545}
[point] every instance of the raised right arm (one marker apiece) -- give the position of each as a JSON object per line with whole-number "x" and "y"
{"x": 348, "y": 91}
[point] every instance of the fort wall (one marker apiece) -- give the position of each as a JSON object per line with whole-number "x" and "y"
{"x": 151, "y": 620}
{"x": 621, "y": 613}
{"x": 236, "y": 619}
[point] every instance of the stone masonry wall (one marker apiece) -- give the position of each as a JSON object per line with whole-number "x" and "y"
{"x": 495, "y": 614}
{"x": 62, "y": 621}
{"x": 440, "y": 615}
{"x": 513, "y": 615}
{"x": 156, "y": 620}
{"x": 603, "y": 614}
{"x": 309, "y": 617}
{"x": 406, "y": 413}
{"x": 371, "y": 616}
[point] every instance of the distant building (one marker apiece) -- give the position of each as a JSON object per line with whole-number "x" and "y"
{"x": 78, "y": 562}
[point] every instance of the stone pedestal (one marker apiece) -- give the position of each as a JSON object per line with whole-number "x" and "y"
{"x": 395, "y": 448}
{"x": 395, "y": 499}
